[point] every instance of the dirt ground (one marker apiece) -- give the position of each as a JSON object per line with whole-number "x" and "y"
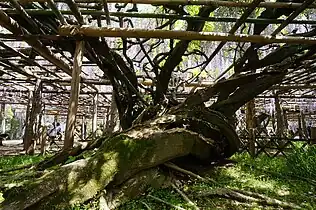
{"x": 15, "y": 147}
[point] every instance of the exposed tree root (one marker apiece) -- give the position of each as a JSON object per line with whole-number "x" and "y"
{"x": 177, "y": 168}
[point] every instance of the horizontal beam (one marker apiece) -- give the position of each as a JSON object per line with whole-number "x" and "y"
{"x": 186, "y": 2}
{"x": 288, "y": 96}
{"x": 57, "y": 92}
{"x": 162, "y": 16}
{"x": 293, "y": 87}
{"x": 59, "y": 81}
{"x": 49, "y": 104}
{"x": 72, "y": 30}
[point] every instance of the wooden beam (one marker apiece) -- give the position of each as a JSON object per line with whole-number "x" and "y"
{"x": 72, "y": 30}
{"x": 74, "y": 96}
{"x": 187, "y": 2}
{"x": 97, "y": 13}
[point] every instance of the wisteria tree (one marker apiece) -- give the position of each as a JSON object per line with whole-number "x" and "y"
{"x": 160, "y": 128}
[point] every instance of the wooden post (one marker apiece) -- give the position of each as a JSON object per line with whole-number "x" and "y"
{"x": 112, "y": 115}
{"x": 83, "y": 128}
{"x": 43, "y": 138}
{"x": 2, "y": 117}
{"x": 74, "y": 96}
{"x": 299, "y": 120}
{"x": 250, "y": 125}
{"x": 304, "y": 129}
{"x": 27, "y": 118}
{"x": 31, "y": 126}
{"x": 105, "y": 119}
{"x": 95, "y": 115}
{"x": 279, "y": 118}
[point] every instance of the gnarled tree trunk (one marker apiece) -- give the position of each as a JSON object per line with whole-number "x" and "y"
{"x": 200, "y": 133}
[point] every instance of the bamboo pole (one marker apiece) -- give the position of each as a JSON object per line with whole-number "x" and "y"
{"x": 72, "y": 30}
{"x": 187, "y": 2}
{"x": 74, "y": 96}
{"x": 162, "y": 16}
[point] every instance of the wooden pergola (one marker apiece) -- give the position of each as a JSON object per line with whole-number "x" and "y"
{"x": 36, "y": 66}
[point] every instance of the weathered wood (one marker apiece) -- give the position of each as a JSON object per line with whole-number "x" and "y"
{"x": 2, "y": 118}
{"x": 31, "y": 125}
{"x": 83, "y": 127}
{"x": 112, "y": 116}
{"x": 43, "y": 138}
{"x": 304, "y": 129}
{"x": 74, "y": 96}
{"x": 91, "y": 31}
{"x": 99, "y": 13}
{"x": 279, "y": 118}
{"x": 250, "y": 125}
{"x": 95, "y": 115}
{"x": 27, "y": 118}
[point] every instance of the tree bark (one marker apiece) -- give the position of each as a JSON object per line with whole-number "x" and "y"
{"x": 126, "y": 154}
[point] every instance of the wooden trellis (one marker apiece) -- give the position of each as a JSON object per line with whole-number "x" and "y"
{"x": 273, "y": 146}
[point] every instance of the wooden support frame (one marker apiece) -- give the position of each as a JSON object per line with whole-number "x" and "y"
{"x": 91, "y": 31}
{"x": 74, "y": 96}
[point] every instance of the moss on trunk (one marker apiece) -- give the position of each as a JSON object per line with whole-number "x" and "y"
{"x": 118, "y": 159}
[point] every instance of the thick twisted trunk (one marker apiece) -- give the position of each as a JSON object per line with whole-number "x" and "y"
{"x": 201, "y": 134}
